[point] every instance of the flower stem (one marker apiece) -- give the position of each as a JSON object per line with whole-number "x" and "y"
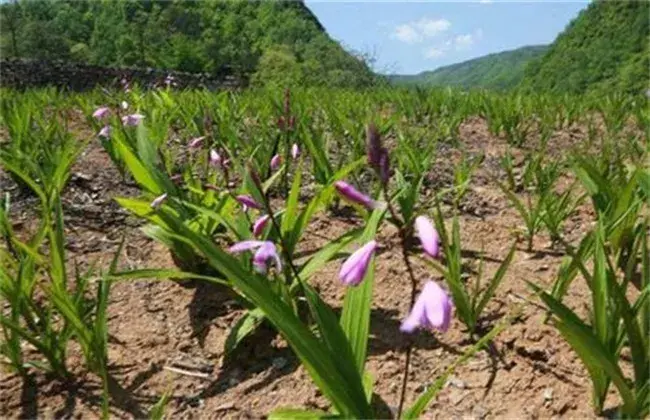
{"x": 409, "y": 346}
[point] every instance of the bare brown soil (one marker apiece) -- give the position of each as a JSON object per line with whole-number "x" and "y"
{"x": 156, "y": 325}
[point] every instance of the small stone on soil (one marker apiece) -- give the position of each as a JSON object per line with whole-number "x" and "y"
{"x": 548, "y": 394}
{"x": 279, "y": 363}
{"x": 457, "y": 383}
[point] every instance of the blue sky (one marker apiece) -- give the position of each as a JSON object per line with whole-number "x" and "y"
{"x": 410, "y": 37}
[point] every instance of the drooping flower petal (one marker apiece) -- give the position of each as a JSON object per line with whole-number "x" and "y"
{"x": 351, "y": 194}
{"x": 260, "y": 224}
{"x": 105, "y": 132}
{"x": 132, "y": 120}
{"x": 354, "y": 268}
{"x": 295, "y": 151}
{"x": 157, "y": 202}
{"x": 266, "y": 252}
{"x": 245, "y": 246}
{"x": 275, "y": 162}
{"x": 432, "y": 310}
{"x": 248, "y": 201}
{"x": 196, "y": 142}
{"x": 428, "y": 235}
{"x": 101, "y": 112}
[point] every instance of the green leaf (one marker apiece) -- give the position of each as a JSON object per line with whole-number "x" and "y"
{"x": 319, "y": 259}
{"x": 157, "y": 412}
{"x": 432, "y": 391}
{"x": 355, "y": 317}
{"x": 163, "y": 274}
{"x": 137, "y": 169}
{"x": 334, "y": 338}
{"x": 368, "y": 385}
{"x": 496, "y": 280}
{"x": 298, "y": 413}
{"x": 242, "y": 328}
{"x": 323, "y": 365}
{"x": 593, "y": 354}
{"x": 291, "y": 207}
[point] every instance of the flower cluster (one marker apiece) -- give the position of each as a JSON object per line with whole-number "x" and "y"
{"x": 433, "y": 307}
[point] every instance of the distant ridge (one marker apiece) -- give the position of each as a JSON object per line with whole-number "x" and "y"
{"x": 496, "y": 71}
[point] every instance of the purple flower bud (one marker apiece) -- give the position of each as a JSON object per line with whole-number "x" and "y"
{"x": 265, "y": 251}
{"x": 157, "y": 202}
{"x": 275, "y": 162}
{"x": 132, "y": 120}
{"x": 432, "y": 310}
{"x": 351, "y": 194}
{"x": 260, "y": 224}
{"x": 295, "y": 151}
{"x": 373, "y": 145}
{"x": 384, "y": 167}
{"x": 248, "y": 201}
{"x": 196, "y": 142}
{"x": 354, "y": 268}
{"x": 105, "y": 132}
{"x": 101, "y": 112}
{"x": 287, "y": 101}
{"x": 215, "y": 159}
{"x": 428, "y": 235}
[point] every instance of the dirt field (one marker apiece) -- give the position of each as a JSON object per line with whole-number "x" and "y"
{"x": 155, "y": 326}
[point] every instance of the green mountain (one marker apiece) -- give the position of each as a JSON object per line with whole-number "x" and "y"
{"x": 278, "y": 42}
{"x": 605, "y": 48}
{"x": 494, "y": 71}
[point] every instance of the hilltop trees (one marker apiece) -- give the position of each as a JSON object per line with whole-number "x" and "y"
{"x": 252, "y": 39}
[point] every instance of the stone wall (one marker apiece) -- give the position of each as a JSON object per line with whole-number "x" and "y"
{"x": 76, "y": 76}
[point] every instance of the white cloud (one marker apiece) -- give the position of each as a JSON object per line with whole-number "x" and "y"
{"x": 418, "y": 30}
{"x": 464, "y": 41}
{"x": 406, "y": 33}
{"x": 433, "y": 52}
{"x": 432, "y": 27}
{"x": 485, "y": 1}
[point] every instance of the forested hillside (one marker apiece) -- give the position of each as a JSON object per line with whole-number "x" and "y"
{"x": 270, "y": 42}
{"x": 606, "y": 48}
{"x": 494, "y": 71}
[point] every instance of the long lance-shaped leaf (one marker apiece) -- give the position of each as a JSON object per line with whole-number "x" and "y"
{"x": 600, "y": 289}
{"x": 423, "y": 401}
{"x": 289, "y": 218}
{"x": 319, "y": 259}
{"x": 334, "y": 338}
{"x": 138, "y": 170}
{"x": 496, "y": 280}
{"x": 348, "y": 398}
{"x": 592, "y": 353}
{"x": 355, "y": 317}
{"x": 640, "y": 355}
{"x": 300, "y": 414}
